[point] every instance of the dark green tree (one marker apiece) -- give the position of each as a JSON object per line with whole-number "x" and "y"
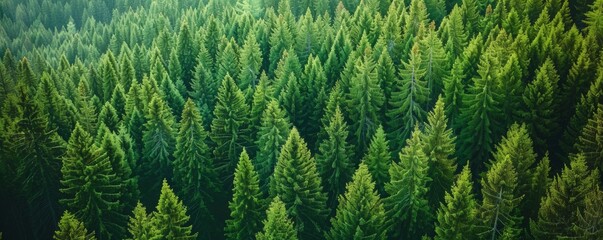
{"x": 378, "y": 159}
{"x": 246, "y": 206}
{"x": 187, "y": 54}
{"x": 303, "y": 195}
{"x": 434, "y": 61}
{"x": 590, "y": 142}
{"x": 251, "y": 62}
{"x": 457, "y": 215}
{"x": 273, "y": 133}
{"x": 281, "y": 39}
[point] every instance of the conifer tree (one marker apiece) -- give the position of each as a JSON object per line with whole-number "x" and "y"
{"x": 407, "y": 206}
{"x": 72, "y": 228}
{"x": 590, "y": 142}
{"x": 262, "y": 95}
{"x": 334, "y": 158}
{"x": 415, "y": 22}
{"x": 108, "y": 116}
{"x": 456, "y": 216}
{"x": 364, "y": 101}
{"x": 246, "y": 204}
{"x": 454, "y": 33}
{"x": 288, "y": 66}
{"x": 171, "y": 218}
{"x": 313, "y": 84}
{"x": 281, "y": 39}
{"x": 251, "y": 62}
{"x": 194, "y": 176}
{"x": 434, "y": 61}
{"x": 439, "y": 146}
{"x": 54, "y": 106}
{"x": 360, "y": 213}
{"x": 408, "y": 101}
{"x": 90, "y": 187}
{"x": 158, "y": 145}
{"x": 187, "y": 54}
{"x": 170, "y": 93}
{"x": 303, "y": 195}
{"x": 338, "y": 56}
{"x": 453, "y": 92}
{"x": 118, "y": 101}
{"x": 564, "y": 198}
{"x": 229, "y": 127}
{"x": 140, "y": 225}
{"x": 590, "y": 221}
{"x": 204, "y": 86}
{"x": 539, "y": 184}
{"x": 378, "y": 159}
{"x": 227, "y": 61}
{"x": 128, "y": 72}
{"x": 499, "y": 213}
{"x": 277, "y": 224}
{"x": 273, "y": 133}
{"x": 37, "y": 149}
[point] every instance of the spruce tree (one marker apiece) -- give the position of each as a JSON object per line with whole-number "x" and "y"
{"x": 454, "y": 89}
{"x": 334, "y": 158}
{"x": 251, "y": 62}
{"x": 158, "y": 145}
{"x": 171, "y": 218}
{"x": 194, "y": 176}
{"x": 281, "y": 39}
{"x": 360, "y": 213}
{"x": 262, "y": 95}
{"x": 246, "y": 206}
{"x": 364, "y": 101}
{"x": 457, "y": 215}
{"x": 303, "y": 195}
{"x": 273, "y": 133}
{"x": 140, "y": 225}
{"x": 91, "y": 189}
{"x": 378, "y": 159}
{"x": 407, "y": 206}
{"x": 313, "y": 84}
{"x": 187, "y": 54}
{"x": 434, "y": 61}
{"x": 229, "y": 127}
{"x": 590, "y": 142}
{"x": 439, "y": 146}
{"x": 564, "y": 198}
{"x": 408, "y": 101}
{"x": 499, "y": 213}
{"x": 277, "y": 225}
{"x": 227, "y": 62}
{"x": 72, "y": 228}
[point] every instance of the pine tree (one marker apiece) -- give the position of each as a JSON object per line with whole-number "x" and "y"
{"x": 540, "y": 104}
{"x": 54, "y": 106}
{"x": 262, "y": 95}
{"x": 313, "y": 84}
{"x": 481, "y": 115}
{"x": 334, "y": 158}
{"x": 229, "y": 127}
{"x": 456, "y": 217}
{"x": 564, "y": 198}
{"x": 227, "y": 61}
{"x": 72, "y": 228}
{"x": 434, "y": 61}
{"x": 509, "y": 81}
{"x": 499, "y": 209}
{"x": 408, "y": 101}
{"x": 277, "y": 225}
{"x": 187, "y": 54}
{"x": 273, "y": 133}
{"x": 108, "y": 116}
{"x": 158, "y": 145}
{"x": 251, "y": 62}
{"x": 364, "y": 101}
{"x": 170, "y": 93}
{"x": 454, "y": 90}
{"x": 416, "y": 21}
{"x": 128, "y": 73}
{"x": 303, "y": 195}
{"x": 407, "y": 206}
{"x": 436, "y": 9}
{"x": 439, "y": 146}
{"x": 204, "y": 86}
{"x": 171, "y": 218}
{"x": 118, "y": 101}
{"x": 590, "y": 223}
{"x": 36, "y": 148}
{"x": 360, "y": 213}
{"x": 378, "y": 159}
{"x": 454, "y": 33}
{"x": 90, "y": 187}
{"x": 281, "y": 39}
{"x": 140, "y": 225}
{"x": 194, "y": 176}
{"x": 539, "y": 184}
{"x": 590, "y": 142}
{"x": 246, "y": 204}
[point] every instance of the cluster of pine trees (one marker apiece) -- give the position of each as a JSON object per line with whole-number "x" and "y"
{"x": 291, "y": 119}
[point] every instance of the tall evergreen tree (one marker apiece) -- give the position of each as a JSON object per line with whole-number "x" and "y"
{"x": 454, "y": 90}
{"x": 439, "y": 147}
{"x": 434, "y": 61}
{"x": 378, "y": 159}
{"x": 457, "y": 215}
{"x": 227, "y": 62}
{"x": 407, "y": 206}
{"x": 246, "y": 204}
{"x": 229, "y": 128}
{"x": 194, "y": 176}
{"x": 303, "y": 195}
{"x": 277, "y": 224}
{"x": 72, "y": 228}
{"x": 158, "y": 145}
{"x": 273, "y": 133}
{"x": 140, "y": 225}
{"x": 251, "y": 62}
{"x": 90, "y": 187}
{"x": 171, "y": 218}
{"x": 187, "y": 54}
{"x": 281, "y": 39}
{"x": 590, "y": 142}
{"x": 360, "y": 213}
{"x": 334, "y": 158}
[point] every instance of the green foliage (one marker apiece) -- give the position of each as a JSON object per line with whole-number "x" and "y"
{"x": 187, "y": 53}
{"x": 406, "y": 206}
{"x": 590, "y": 142}
{"x": 171, "y": 219}
{"x": 457, "y": 215}
{"x": 297, "y": 181}
{"x": 360, "y": 213}
{"x": 378, "y": 159}
{"x": 72, "y": 228}
{"x": 277, "y": 225}
{"x": 246, "y": 204}
{"x": 140, "y": 225}
{"x": 251, "y": 61}
{"x": 273, "y": 133}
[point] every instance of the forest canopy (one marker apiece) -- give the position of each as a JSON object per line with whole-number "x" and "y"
{"x": 299, "y": 119}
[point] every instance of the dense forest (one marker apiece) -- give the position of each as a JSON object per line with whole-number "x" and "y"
{"x": 301, "y": 119}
